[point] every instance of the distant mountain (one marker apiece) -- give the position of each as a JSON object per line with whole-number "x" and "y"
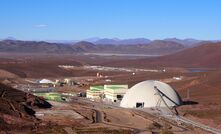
{"x": 165, "y": 45}
{"x": 94, "y": 39}
{"x": 116, "y": 41}
{"x": 203, "y": 56}
{"x": 65, "y": 42}
{"x": 187, "y": 42}
{"x": 84, "y": 46}
{"x": 135, "y": 41}
{"x": 158, "y": 47}
{"x": 33, "y": 47}
{"x": 153, "y": 48}
{"x": 107, "y": 41}
{"x": 206, "y": 55}
{"x": 162, "y": 47}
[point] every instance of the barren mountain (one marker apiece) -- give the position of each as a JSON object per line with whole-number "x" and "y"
{"x": 161, "y": 46}
{"x": 158, "y": 47}
{"x": 154, "y": 48}
{"x": 16, "y": 46}
{"x": 186, "y": 42}
{"x": 84, "y": 46}
{"x": 206, "y": 55}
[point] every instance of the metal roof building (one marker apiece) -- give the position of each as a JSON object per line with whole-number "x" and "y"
{"x": 112, "y": 93}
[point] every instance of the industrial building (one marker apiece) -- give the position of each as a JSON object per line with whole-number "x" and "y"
{"x": 151, "y": 94}
{"x": 113, "y": 93}
{"x": 95, "y": 92}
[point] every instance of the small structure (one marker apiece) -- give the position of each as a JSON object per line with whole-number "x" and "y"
{"x": 57, "y": 81}
{"x": 112, "y": 93}
{"x": 178, "y": 78}
{"x": 46, "y": 81}
{"x": 99, "y": 75}
{"x": 108, "y": 80}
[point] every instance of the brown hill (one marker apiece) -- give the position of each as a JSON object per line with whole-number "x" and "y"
{"x": 207, "y": 56}
{"x": 162, "y": 46}
{"x": 84, "y": 46}
{"x": 16, "y": 46}
{"x": 158, "y": 47}
{"x": 16, "y": 108}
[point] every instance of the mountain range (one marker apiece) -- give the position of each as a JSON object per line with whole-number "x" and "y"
{"x": 117, "y": 41}
{"x": 97, "y": 45}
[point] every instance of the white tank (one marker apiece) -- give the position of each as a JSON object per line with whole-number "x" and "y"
{"x": 144, "y": 94}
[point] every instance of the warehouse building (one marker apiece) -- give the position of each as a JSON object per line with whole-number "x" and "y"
{"x": 113, "y": 93}
{"x": 95, "y": 92}
{"x": 151, "y": 94}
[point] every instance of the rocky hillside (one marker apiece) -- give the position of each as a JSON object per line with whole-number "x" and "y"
{"x": 17, "y": 108}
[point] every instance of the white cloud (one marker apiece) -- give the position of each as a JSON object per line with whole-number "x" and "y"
{"x": 40, "y": 26}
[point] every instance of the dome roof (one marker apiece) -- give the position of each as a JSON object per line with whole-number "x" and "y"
{"x": 144, "y": 94}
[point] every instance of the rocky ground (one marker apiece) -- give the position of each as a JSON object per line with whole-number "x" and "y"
{"x": 17, "y": 108}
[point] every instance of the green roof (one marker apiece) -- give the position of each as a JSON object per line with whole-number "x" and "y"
{"x": 114, "y": 87}
{"x": 96, "y": 88}
{"x": 101, "y": 88}
{"x": 50, "y": 96}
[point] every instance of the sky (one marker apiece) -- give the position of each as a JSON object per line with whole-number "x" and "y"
{"x": 81, "y": 19}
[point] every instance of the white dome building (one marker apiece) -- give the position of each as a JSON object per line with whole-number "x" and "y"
{"x": 150, "y": 94}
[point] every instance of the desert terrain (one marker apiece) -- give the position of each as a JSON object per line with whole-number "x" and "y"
{"x": 199, "y": 87}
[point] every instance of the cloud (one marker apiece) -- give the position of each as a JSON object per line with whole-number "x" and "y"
{"x": 41, "y": 26}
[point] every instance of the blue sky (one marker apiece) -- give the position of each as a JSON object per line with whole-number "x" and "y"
{"x": 80, "y": 19}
